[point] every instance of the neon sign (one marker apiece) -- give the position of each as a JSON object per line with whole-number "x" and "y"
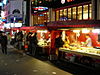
{"x": 40, "y": 8}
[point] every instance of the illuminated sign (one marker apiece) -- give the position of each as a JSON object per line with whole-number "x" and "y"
{"x": 70, "y": 0}
{"x": 5, "y": 2}
{"x": 62, "y": 1}
{"x": 40, "y": 8}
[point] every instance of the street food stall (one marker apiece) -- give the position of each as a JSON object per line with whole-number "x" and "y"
{"x": 81, "y": 41}
{"x": 44, "y": 40}
{"x": 43, "y": 37}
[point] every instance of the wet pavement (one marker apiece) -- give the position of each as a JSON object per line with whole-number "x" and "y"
{"x": 16, "y": 63}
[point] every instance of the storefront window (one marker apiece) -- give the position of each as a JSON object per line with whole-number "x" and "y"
{"x": 69, "y": 13}
{"x": 57, "y": 15}
{"x": 80, "y": 12}
{"x": 85, "y": 12}
{"x": 48, "y": 16}
{"x": 45, "y": 17}
{"x": 42, "y": 18}
{"x": 90, "y": 11}
{"x": 74, "y": 13}
{"x": 61, "y": 13}
{"x": 65, "y": 12}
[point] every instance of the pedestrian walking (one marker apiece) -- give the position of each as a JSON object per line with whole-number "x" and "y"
{"x": 4, "y": 43}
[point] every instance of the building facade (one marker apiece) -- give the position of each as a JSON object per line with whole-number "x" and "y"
{"x": 70, "y": 10}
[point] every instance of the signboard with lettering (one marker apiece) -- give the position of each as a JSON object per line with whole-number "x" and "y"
{"x": 38, "y": 9}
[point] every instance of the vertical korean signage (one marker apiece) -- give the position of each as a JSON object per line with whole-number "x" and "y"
{"x": 16, "y": 10}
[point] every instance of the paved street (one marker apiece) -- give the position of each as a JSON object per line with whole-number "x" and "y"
{"x": 15, "y": 63}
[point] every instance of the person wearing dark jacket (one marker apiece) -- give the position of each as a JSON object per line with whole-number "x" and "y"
{"x": 4, "y": 42}
{"x": 33, "y": 43}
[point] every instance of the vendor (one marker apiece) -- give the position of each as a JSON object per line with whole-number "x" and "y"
{"x": 88, "y": 41}
{"x": 66, "y": 42}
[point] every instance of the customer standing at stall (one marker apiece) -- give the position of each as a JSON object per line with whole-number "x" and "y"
{"x": 33, "y": 43}
{"x": 4, "y": 42}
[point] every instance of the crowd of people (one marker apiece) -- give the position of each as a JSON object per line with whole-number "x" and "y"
{"x": 25, "y": 41}
{"x": 20, "y": 41}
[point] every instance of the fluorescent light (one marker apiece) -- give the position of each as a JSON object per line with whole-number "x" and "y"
{"x": 42, "y": 31}
{"x": 76, "y": 31}
{"x": 96, "y": 31}
{"x": 85, "y": 31}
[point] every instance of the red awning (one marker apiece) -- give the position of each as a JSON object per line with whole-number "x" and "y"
{"x": 27, "y": 28}
{"x": 74, "y": 24}
{"x": 33, "y": 28}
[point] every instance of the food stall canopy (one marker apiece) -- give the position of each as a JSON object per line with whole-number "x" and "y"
{"x": 74, "y": 24}
{"x": 33, "y": 28}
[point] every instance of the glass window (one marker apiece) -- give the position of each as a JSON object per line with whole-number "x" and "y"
{"x": 61, "y": 13}
{"x": 80, "y": 13}
{"x": 65, "y": 12}
{"x": 45, "y": 17}
{"x": 40, "y": 19}
{"x": 57, "y": 15}
{"x": 74, "y": 13}
{"x": 90, "y": 11}
{"x": 48, "y": 17}
{"x": 85, "y": 12}
{"x": 69, "y": 13}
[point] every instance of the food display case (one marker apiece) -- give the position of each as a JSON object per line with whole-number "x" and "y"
{"x": 77, "y": 50}
{"x": 91, "y": 52}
